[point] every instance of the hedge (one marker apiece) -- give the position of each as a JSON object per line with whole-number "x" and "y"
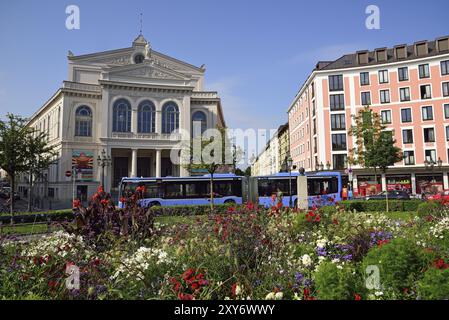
{"x": 29, "y": 217}
{"x": 380, "y": 205}
{"x": 190, "y": 210}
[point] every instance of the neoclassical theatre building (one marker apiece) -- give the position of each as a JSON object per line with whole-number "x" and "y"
{"x": 126, "y": 104}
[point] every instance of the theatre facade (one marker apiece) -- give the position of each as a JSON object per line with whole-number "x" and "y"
{"x": 128, "y": 105}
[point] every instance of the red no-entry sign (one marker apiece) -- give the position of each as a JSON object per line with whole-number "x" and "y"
{"x": 68, "y": 173}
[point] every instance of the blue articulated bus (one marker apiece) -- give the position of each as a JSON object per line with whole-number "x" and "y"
{"x": 323, "y": 188}
{"x": 172, "y": 191}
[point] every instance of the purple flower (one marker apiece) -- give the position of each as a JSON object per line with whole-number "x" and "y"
{"x": 299, "y": 277}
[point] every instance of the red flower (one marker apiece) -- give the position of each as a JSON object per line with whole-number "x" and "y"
{"x": 231, "y": 209}
{"x": 52, "y": 284}
{"x": 100, "y": 189}
{"x": 182, "y": 296}
{"x": 104, "y": 202}
{"x": 76, "y": 203}
{"x": 279, "y": 205}
{"x": 357, "y": 297}
{"x": 250, "y": 206}
{"x": 233, "y": 288}
{"x": 335, "y": 221}
{"x": 440, "y": 264}
{"x": 318, "y": 218}
{"x": 187, "y": 274}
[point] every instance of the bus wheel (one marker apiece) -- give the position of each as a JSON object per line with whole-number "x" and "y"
{"x": 154, "y": 204}
{"x": 230, "y": 201}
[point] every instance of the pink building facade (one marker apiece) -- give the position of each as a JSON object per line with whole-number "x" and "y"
{"x": 408, "y": 86}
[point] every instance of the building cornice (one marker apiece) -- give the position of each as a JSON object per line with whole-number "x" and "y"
{"x": 145, "y": 87}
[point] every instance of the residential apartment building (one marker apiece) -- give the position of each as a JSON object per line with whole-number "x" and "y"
{"x": 407, "y": 85}
{"x": 273, "y": 158}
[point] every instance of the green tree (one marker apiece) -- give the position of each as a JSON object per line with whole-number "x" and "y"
{"x": 213, "y": 153}
{"x": 40, "y": 155}
{"x": 13, "y": 150}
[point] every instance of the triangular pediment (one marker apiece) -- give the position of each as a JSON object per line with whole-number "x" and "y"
{"x": 146, "y": 70}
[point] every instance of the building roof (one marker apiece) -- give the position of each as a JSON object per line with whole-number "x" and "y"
{"x": 351, "y": 60}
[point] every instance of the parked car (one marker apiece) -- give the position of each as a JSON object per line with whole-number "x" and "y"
{"x": 443, "y": 195}
{"x": 393, "y": 195}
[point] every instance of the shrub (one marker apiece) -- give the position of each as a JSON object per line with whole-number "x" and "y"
{"x": 333, "y": 283}
{"x": 380, "y": 205}
{"x": 400, "y": 262}
{"x": 430, "y": 208}
{"x": 191, "y": 210}
{"x": 434, "y": 285}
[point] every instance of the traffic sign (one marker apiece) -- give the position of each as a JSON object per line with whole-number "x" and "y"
{"x": 68, "y": 173}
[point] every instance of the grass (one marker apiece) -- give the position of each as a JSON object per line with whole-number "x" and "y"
{"x": 24, "y": 229}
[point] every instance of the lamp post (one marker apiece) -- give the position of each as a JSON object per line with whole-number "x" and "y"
{"x": 289, "y": 166}
{"x": 103, "y": 160}
{"x": 328, "y": 166}
{"x": 321, "y": 166}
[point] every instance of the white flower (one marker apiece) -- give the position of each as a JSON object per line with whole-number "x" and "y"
{"x": 278, "y": 296}
{"x": 270, "y": 296}
{"x": 238, "y": 290}
{"x": 378, "y": 293}
{"x": 306, "y": 260}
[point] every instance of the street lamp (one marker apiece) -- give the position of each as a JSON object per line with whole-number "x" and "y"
{"x": 103, "y": 160}
{"x": 289, "y": 167}
{"x": 321, "y": 166}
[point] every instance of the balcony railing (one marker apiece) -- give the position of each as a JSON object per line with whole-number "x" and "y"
{"x": 147, "y": 136}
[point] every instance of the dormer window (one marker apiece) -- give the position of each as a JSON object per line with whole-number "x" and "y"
{"x": 139, "y": 58}
{"x": 421, "y": 48}
{"x": 362, "y": 57}
{"x": 381, "y": 55}
{"x": 443, "y": 44}
{"x": 401, "y": 52}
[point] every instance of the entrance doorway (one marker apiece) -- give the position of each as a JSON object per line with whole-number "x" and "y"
{"x": 144, "y": 167}
{"x": 120, "y": 170}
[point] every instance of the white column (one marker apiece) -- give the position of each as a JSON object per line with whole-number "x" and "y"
{"x": 384, "y": 182}
{"x": 158, "y": 121}
{"x": 134, "y": 120}
{"x": 413, "y": 182}
{"x": 134, "y": 163}
{"x": 158, "y": 163}
{"x": 445, "y": 181}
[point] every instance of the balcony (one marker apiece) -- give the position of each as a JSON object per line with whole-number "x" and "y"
{"x": 147, "y": 136}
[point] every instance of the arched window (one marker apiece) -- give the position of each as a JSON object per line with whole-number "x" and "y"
{"x": 146, "y": 117}
{"x": 121, "y": 120}
{"x": 170, "y": 117}
{"x": 83, "y": 121}
{"x": 199, "y": 123}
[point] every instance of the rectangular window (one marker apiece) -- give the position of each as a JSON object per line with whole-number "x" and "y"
{"x": 407, "y": 136}
{"x": 337, "y": 102}
{"x": 426, "y": 92}
{"x": 405, "y": 94}
{"x": 446, "y": 111}
{"x": 431, "y": 156}
{"x": 403, "y": 74}
{"x": 424, "y": 71}
{"x": 384, "y": 96}
{"x": 338, "y": 122}
{"x": 409, "y": 158}
{"x": 366, "y": 98}
{"x": 336, "y": 83}
{"x": 364, "y": 78}
{"x": 427, "y": 113}
{"x": 383, "y": 76}
{"x": 339, "y": 161}
{"x": 429, "y": 135}
{"x": 444, "y": 67}
{"x": 406, "y": 115}
{"x": 339, "y": 142}
{"x": 385, "y": 116}
{"x": 447, "y": 133}
{"x": 445, "y": 89}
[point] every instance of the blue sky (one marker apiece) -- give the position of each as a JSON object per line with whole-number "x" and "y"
{"x": 257, "y": 53}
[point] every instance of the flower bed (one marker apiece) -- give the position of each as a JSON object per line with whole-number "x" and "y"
{"x": 243, "y": 252}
